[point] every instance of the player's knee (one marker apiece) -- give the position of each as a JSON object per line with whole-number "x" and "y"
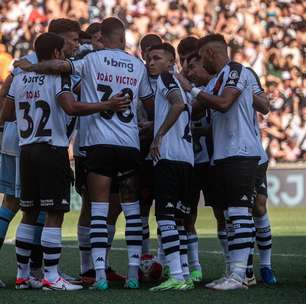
{"x": 260, "y": 208}
{"x": 129, "y": 189}
{"x": 30, "y": 217}
{"x": 54, "y": 219}
{"x": 10, "y": 202}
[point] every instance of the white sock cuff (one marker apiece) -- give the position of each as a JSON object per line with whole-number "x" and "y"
{"x": 262, "y": 220}
{"x": 130, "y": 208}
{"x": 51, "y": 236}
{"x": 26, "y": 233}
{"x": 99, "y": 208}
{"x": 236, "y": 211}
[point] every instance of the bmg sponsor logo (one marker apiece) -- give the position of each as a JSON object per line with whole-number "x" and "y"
{"x": 119, "y": 64}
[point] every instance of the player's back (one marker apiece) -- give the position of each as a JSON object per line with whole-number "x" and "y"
{"x": 106, "y": 73}
{"x": 39, "y": 116}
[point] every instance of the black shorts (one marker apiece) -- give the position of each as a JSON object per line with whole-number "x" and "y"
{"x": 203, "y": 180}
{"x": 173, "y": 184}
{"x": 45, "y": 177}
{"x": 112, "y": 161}
{"x": 261, "y": 185}
{"x": 81, "y": 177}
{"x": 146, "y": 182}
{"x": 235, "y": 181}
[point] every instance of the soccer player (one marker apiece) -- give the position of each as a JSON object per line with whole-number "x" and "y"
{"x": 41, "y": 103}
{"x": 146, "y": 170}
{"x": 111, "y": 140}
{"x": 173, "y": 158}
{"x": 236, "y": 153}
{"x": 70, "y": 31}
{"x": 203, "y": 172}
{"x": 261, "y": 218}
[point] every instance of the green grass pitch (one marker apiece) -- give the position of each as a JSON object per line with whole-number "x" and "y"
{"x": 289, "y": 260}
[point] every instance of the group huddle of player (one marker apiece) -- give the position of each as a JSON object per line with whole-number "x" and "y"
{"x": 141, "y": 131}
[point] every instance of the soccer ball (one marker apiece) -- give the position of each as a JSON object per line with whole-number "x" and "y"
{"x": 149, "y": 269}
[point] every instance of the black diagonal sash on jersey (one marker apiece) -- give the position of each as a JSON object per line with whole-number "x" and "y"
{"x": 209, "y": 139}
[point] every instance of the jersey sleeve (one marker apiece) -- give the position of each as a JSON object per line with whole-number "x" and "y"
{"x": 236, "y": 77}
{"x": 77, "y": 66}
{"x": 11, "y": 93}
{"x": 63, "y": 84}
{"x": 168, "y": 84}
{"x": 255, "y": 82}
{"x": 145, "y": 89}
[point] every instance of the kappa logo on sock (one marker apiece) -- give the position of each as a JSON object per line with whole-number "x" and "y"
{"x": 169, "y": 205}
{"x": 99, "y": 259}
{"x": 135, "y": 256}
{"x": 244, "y": 198}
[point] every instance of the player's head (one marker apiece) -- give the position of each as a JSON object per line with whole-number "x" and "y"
{"x": 49, "y": 46}
{"x": 161, "y": 58}
{"x": 211, "y": 48}
{"x": 194, "y": 63}
{"x": 186, "y": 47}
{"x": 94, "y": 30}
{"x": 148, "y": 41}
{"x": 113, "y": 33}
{"x": 68, "y": 29}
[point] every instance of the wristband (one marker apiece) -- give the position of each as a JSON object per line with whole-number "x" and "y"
{"x": 195, "y": 92}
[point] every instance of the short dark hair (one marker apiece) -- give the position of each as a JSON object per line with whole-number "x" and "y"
{"x": 149, "y": 40}
{"x": 167, "y": 47}
{"x": 211, "y": 38}
{"x": 46, "y": 44}
{"x": 63, "y": 25}
{"x": 110, "y": 25}
{"x": 187, "y": 45}
{"x": 93, "y": 28}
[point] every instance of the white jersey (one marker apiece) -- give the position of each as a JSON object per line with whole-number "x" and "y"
{"x": 233, "y": 132}
{"x": 40, "y": 118}
{"x": 176, "y": 144}
{"x": 105, "y": 73}
{"x": 10, "y": 139}
{"x": 257, "y": 89}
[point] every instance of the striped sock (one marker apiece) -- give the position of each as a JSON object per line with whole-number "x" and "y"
{"x": 222, "y": 237}
{"x": 183, "y": 250}
{"x": 240, "y": 242}
{"x": 6, "y": 215}
{"x": 145, "y": 235}
{"x": 99, "y": 237}
{"x": 193, "y": 251}
{"x": 24, "y": 243}
{"x": 36, "y": 257}
{"x": 249, "y": 271}
{"x": 264, "y": 240}
{"x": 111, "y": 235}
{"x": 133, "y": 236}
{"x": 171, "y": 246}
{"x": 51, "y": 241}
{"x": 85, "y": 248}
{"x": 229, "y": 232}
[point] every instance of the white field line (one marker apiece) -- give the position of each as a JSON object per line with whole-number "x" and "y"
{"x": 214, "y": 252}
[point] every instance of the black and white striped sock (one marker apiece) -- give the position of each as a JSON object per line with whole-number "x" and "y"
{"x": 99, "y": 237}
{"x": 171, "y": 245}
{"x": 133, "y": 236}
{"x": 24, "y": 244}
{"x": 51, "y": 242}
{"x": 264, "y": 240}
{"x": 193, "y": 251}
{"x": 240, "y": 241}
{"x": 183, "y": 249}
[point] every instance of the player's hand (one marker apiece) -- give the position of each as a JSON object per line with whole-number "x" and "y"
{"x": 184, "y": 82}
{"x": 119, "y": 102}
{"x": 155, "y": 147}
{"x": 23, "y": 64}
